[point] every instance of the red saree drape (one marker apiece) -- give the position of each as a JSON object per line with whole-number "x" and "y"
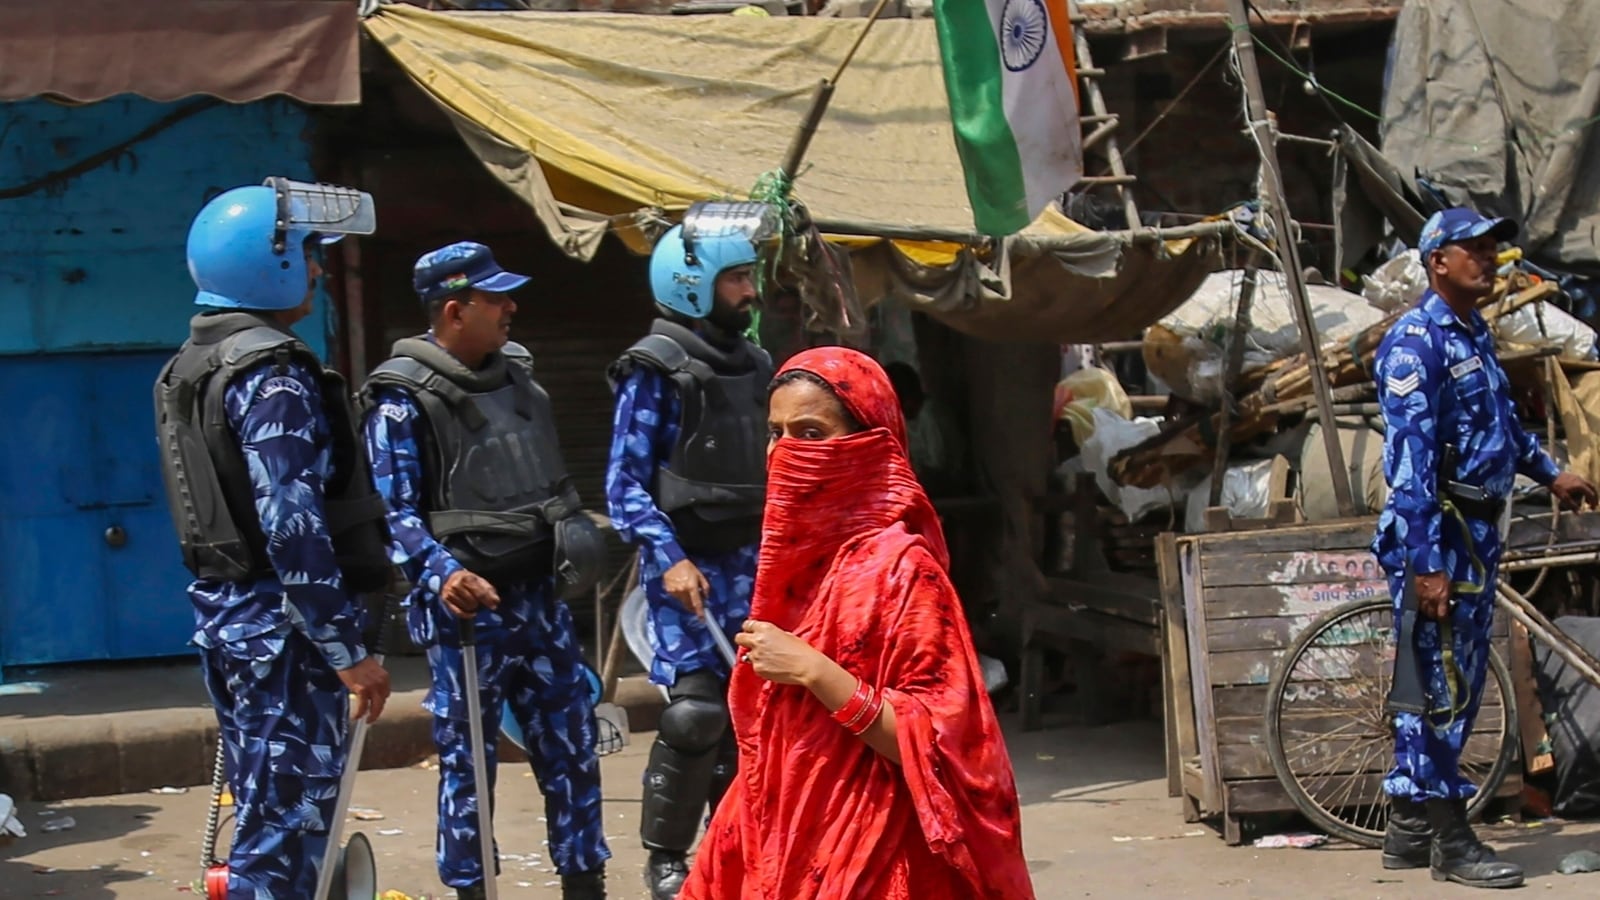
{"x": 853, "y": 561}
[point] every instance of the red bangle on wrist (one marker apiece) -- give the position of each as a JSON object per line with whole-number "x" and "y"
{"x": 854, "y": 705}
{"x": 861, "y": 710}
{"x": 868, "y": 715}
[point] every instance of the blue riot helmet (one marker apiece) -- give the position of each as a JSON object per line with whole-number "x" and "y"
{"x": 715, "y": 236}
{"x": 245, "y": 246}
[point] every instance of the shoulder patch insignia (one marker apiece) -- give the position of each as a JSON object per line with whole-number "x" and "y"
{"x": 1417, "y": 330}
{"x": 394, "y": 412}
{"x": 280, "y": 384}
{"x": 1399, "y": 387}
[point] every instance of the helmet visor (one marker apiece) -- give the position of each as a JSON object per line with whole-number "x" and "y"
{"x": 755, "y": 222}
{"x": 328, "y": 210}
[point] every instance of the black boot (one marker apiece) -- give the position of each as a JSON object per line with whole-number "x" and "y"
{"x": 584, "y": 886}
{"x": 665, "y": 873}
{"x": 1459, "y": 856}
{"x": 476, "y": 892}
{"x": 1408, "y": 838}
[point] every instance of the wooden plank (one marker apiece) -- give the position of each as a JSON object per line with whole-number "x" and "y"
{"x": 1530, "y": 712}
{"x": 1278, "y": 479}
{"x": 1322, "y": 721}
{"x": 1266, "y": 795}
{"x": 1243, "y": 667}
{"x": 1179, "y": 705}
{"x": 1240, "y": 701}
{"x": 1343, "y": 757}
{"x": 1200, "y": 672}
{"x": 1136, "y": 603}
{"x": 1354, "y": 661}
{"x": 1250, "y": 700}
{"x": 1121, "y": 582}
{"x": 1345, "y": 534}
{"x": 1169, "y": 728}
{"x": 1267, "y": 633}
{"x": 1259, "y": 601}
{"x": 1094, "y": 628}
{"x": 1316, "y": 567}
{"x": 1534, "y": 532}
{"x": 1031, "y": 685}
{"x": 1194, "y": 787}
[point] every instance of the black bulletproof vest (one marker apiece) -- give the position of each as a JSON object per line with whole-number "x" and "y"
{"x": 207, "y": 481}
{"x": 492, "y": 464}
{"x": 714, "y": 485}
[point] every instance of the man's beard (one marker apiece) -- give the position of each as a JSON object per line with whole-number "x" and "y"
{"x": 734, "y": 321}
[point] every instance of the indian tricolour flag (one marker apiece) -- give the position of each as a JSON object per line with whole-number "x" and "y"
{"x": 1010, "y": 71}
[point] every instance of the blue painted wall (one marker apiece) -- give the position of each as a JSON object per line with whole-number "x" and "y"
{"x": 94, "y": 295}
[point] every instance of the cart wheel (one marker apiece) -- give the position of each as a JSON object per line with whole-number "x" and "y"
{"x": 1330, "y": 740}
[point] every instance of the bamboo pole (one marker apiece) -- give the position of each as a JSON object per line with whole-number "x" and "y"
{"x": 819, "y": 103}
{"x": 1024, "y": 244}
{"x": 1552, "y": 561}
{"x": 1570, "y": 651}
{"x": 1276, "y": 201}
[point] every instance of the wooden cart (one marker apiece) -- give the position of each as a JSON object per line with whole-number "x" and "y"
{"x": 1232, "y": 604}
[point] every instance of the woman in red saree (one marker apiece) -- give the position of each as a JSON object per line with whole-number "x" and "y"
{"x": 870, "y": 761}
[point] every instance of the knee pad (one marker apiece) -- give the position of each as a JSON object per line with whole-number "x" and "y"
{"x": 693, "y": 725}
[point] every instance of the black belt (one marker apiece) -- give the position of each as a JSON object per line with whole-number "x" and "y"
{"x": 1475, "y": 502}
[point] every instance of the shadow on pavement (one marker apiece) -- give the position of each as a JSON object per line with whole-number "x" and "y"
{"x": 25, "y": 869}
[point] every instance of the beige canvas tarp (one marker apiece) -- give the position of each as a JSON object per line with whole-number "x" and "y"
{"x": 604, "y": 122}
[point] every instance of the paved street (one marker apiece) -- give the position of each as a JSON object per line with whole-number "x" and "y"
{"x": 1097, "y": 823}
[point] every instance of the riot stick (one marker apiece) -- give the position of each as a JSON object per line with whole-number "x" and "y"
{"x": 480, "y": 766}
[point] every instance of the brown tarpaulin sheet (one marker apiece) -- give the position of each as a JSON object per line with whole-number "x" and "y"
{"x": 591, "y": 119}
{"x": 164, "y": 50}
{"x": 1497, "y": 104}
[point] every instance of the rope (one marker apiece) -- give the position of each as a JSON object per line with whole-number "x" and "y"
{"x": 1377, "y": 117}
{"x": 1455, "y": 682}
{"x": 1173, "y": 106}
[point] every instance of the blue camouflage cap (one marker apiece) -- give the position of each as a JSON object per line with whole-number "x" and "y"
{"x": 462, "y": 265}
{"x": 1461, "y": 224}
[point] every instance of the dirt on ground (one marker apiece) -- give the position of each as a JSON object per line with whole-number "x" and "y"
{"x": 1096, "y": 817}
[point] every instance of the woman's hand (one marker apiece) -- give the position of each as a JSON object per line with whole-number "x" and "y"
{"x": 780, "y": 657}
{"x": 777, "y": 655}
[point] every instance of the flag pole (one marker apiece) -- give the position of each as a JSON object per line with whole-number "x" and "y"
{"x": 819, "y": 105}
{"x": 1288, "y": 253}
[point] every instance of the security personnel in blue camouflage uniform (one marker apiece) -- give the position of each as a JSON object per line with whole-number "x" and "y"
{"x": 1452, "y": 450}
{"x": 464, "y": 448}
{"x": 276, "y": 515}
{"x": 686, "y": 485}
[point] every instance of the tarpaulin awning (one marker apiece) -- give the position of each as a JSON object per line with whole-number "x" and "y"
{"x": 1496, "y": 104}
{"x": 590, "y": 118}
{"x": 164, "y": 50}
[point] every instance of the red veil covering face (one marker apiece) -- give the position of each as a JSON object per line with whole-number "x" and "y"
{"x": 853, "y": 562}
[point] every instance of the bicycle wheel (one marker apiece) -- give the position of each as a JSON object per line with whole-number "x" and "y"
{"x": 1330, "y": 740}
